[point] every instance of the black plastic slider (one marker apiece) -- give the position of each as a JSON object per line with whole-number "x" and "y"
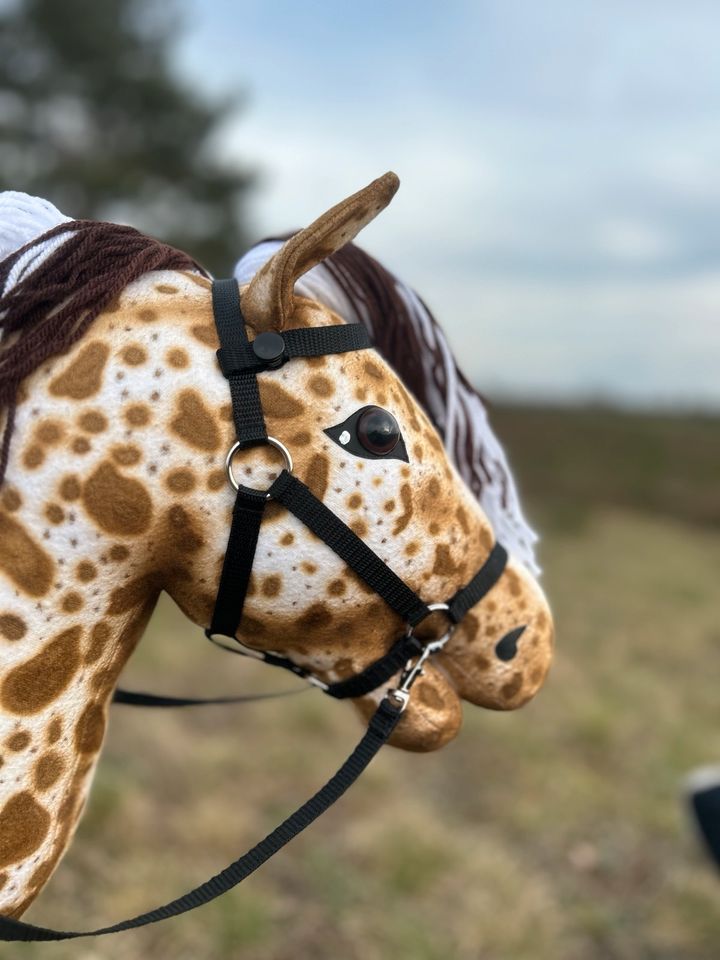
{"x": 269, "y": 348}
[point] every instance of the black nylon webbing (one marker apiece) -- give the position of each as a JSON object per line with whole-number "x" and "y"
{"x": 483, "y": 581}
{"x": 238, "y": 356}
{"x": 363, "y": 561}
{"x": 237, "y": 565}
{"x": 137, "y": 698}
{"x": 378, "y": 732}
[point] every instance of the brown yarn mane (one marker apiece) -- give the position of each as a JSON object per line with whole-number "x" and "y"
{"x": 51, "y": 308}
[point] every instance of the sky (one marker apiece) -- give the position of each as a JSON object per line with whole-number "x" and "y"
{"x": 559, "y": 207}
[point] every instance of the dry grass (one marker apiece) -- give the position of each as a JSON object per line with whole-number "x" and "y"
{"x": 556, "y": 832}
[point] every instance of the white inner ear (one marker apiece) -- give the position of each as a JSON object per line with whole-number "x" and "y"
{"x": 22, "y": 219}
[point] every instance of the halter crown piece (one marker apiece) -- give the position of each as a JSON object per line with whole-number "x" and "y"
{"x": 241, "y": 360}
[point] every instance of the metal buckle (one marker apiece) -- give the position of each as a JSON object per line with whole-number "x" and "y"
{"x": 415, "y": 669}
{"x": 271, "y": 441}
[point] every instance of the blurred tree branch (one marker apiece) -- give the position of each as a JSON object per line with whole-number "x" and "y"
{"x": 93, "y": 118}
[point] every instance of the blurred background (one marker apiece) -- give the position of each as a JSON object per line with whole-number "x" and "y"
{"x": 558, "y": 212}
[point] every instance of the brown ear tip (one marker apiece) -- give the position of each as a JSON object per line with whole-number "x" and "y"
{"x": 390, "y": 182}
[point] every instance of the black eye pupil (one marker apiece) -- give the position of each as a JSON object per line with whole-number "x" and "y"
{"x": 378, "y": 430}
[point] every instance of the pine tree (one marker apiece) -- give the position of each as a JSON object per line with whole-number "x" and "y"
{"x": 93, "y": 118}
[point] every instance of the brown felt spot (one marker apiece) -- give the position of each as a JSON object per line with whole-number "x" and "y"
{"x": 359, "y": 527}
{"x": 205, "y": 333}
{"x": 99, "y": 637}
{"x": 509, "y": 689}
{"x": 373, "y": 370}
{"x": 22, "y": 560}
{"x": 317, "y": 474}
{"x": 49, "y": 432}
{"x": 180, "y": 481}
{"x": 18, "y": 741}
{"x": 11, "y": 500}
{"x": 93, "y": 421}
{"x": 277, "y": 402}
{"x": 178, "y": 358}
{"x": 70, "y": 488}
{"x": 35, "y": 683}
{"x": 33, "y": 457}
{"x": 119, "y": 552}
{"x": 194, "y": 423}
{"x": 12, "y": 627}
{"x": 418, "y": 452}
{"x": 54, "y": 730}
{"x": 354, "y": 501}
{"x": 404, "y": 519}
{"x": 336, "y": 588}
{"x": 428, "y": 695}
{"x": 23, "y": 827}
{"x": 86, "y": 571}
{"x": 54, "y": 513}
{"x": 182, "y": 532}
{"x": 412, "y": 548}
{"x": 271, "y": 585}
{"x": 72, "y": 602}
{"x": 389, "y": 505}
{"x": 83, "y": 377}
{"x": 126, "y": 455}
{"x": 287, "y": 539}
{"x": 444, "y": 564}
{"x": 90, "y": 729}
{"x": 118, "y": 504}
{"x": 147, "y": 315}
{"x": 301, "y": 439}
{"x": 80, "y": 445}
{"x": 134, "y": 593}
{"x": 317, "y": 615}
{"x": 307, "y": 567}
{"x": 48, "y": 769}
{"x": 134, "y": 355}
{"x": 166, "y": 288}
{"x": 321, "y": 386}
{"x": 216, "y": 479}
{"x": 137, "y": 415}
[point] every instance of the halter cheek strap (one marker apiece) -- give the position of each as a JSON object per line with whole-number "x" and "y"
{"x": 240, "y": 362}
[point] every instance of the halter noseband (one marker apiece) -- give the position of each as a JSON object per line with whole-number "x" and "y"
{"x": 241, "y": 361}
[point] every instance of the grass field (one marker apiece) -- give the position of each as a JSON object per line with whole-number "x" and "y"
{"x": 557, "y": 832}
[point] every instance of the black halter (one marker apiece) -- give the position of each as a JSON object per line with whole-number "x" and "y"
{"x": 240, "y": 361}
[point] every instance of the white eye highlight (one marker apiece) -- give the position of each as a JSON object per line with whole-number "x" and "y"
{"x": 344, "y": 437}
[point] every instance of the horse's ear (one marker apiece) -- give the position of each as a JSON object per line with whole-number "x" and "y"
{"x": 268, "y": 301}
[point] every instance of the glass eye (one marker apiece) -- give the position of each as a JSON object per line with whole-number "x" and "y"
{"x": 372, "y": 433}
{"x": 378, "y": 431}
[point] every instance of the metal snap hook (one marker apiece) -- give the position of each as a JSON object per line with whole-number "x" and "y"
{"x": 271, "y": 441}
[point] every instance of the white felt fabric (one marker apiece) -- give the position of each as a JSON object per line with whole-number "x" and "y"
{"x": 498, "y": 498}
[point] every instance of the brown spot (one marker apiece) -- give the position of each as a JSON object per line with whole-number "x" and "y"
{"x": 373, "y": 370}
{"x": 433, "y": 488}
{"x": 18, "y": 741}
{"x": 410, "y": 407}
{"x": 206, "y": 333}
{"x": 216, "y": 479}
{"x": 226, "y": 412}
{"x": 49, "y": 432}
{"x": 301, "y": 439}
{"x": 354, "y": 501}
{"x": 134, "y": 593}
{"x": 314, "y": 617}
{"x": 3, "y": 879}
{"x": 418, "y": 452}
{"x": 321, "y": 386}
{"x": 194, "y": 423}
{"x": 118, "y": 504}
{"x": 11, "y": 500}
{"x": 412, "y": 548}
{"x": 70, "y": 488}
{"x": 90, "y": 729}
{"x": 86, "y": 571}
{"x": 54, "y": 513}
{"x": 359, "y": 527}
{"x": 118, "y": 552}
{"x": 72, "y": 602}
{"x": 54, "y": 730}
{"x": 137, "y": 415}
{"x": 178, "y": 358}
{"x": 317, "y": 474}
{"x": 482, "y": 663}
{"x": 336, "y": 588}
{"x": 513, "y": 582}
{"x": 537, "y": 675}
{"x": 93, "y": 421}
{"x": 180, "y": 481}
{"x": 34, "y": 684}
{"x": 147, "y": 315}
{"x": 23, "y": 827}
{"x": 307, "y": 567}
{"x": 99, "y": 637}
{"x": 271, "y": 585}
{"x": 166, "y": 288}
{"x": 134, "y": 355}
{"x": 434, "y": 529}
{"x": 462, "y": 519}
{"x": 389, "y": 506}
{"x": 27, "y": 565}
{"x": 404, "y": 519}
{"x": 287, "y": 539}
{"x": 428, "y": 695}
{"x": 541, "y": 620}
{"x": 361, "y": 394}
{"x": 83, "y": 377}
{"x": 277, "y": 402}
{"x": 444, "y": 564}
{"x": 34, "y": 457}
{"x": 509, "y": 689}
{"x": 48, "y": 769}
{"x": 126, "y": 455}
{"x": 182, "y": 533}
{"x": 80, "y": 445}
{"x": 12, "y": 627}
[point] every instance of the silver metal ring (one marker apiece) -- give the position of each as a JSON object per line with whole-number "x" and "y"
{"x": 280, "y": 447}
{"x": 433, "y": 607}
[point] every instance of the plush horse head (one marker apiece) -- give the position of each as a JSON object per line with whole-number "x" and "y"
{"x": 117, "y": 428}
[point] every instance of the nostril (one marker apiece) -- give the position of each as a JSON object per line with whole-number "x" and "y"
{"x": 506, "y": 648}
